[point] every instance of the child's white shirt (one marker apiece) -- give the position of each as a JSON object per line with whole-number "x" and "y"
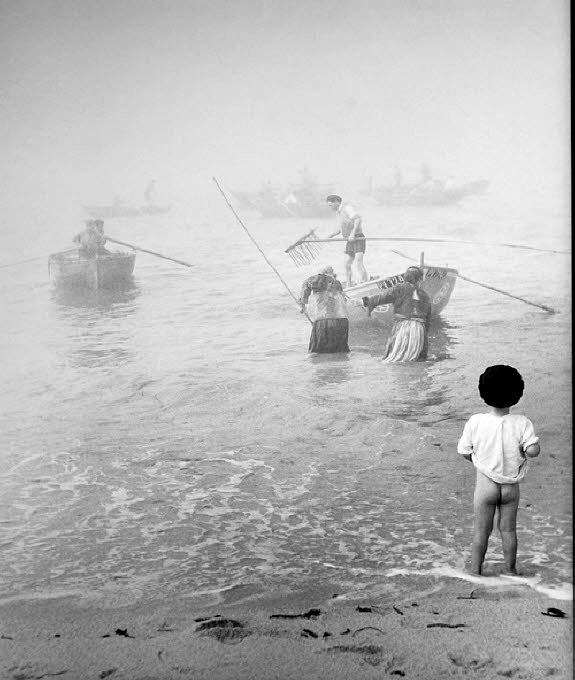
{"x": 496, "y": 444}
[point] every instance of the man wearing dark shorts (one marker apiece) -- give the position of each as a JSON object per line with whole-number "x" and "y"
{"x": 349, "y": 222}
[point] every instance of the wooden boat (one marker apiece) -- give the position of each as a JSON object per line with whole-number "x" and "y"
{"x": 429, "y": 191}
{"x": 155, "y": 209}
{"x": 304, "y": 199}
{"x": 72, "y": 270}
{"x": 438, "y": 283}
{"x": 427, "y": 195}
{"x": 109, "y": 212}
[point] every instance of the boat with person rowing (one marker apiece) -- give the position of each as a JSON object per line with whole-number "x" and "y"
{"x": 72, "y": 270}
{"x": 438, "y": 283}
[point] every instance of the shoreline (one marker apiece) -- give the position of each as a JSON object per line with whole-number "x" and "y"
{"x": 490, "y": 630}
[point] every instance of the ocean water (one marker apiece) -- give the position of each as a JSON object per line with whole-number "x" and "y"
{"x": 176, "y": 438}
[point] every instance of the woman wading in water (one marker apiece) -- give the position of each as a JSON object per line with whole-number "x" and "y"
{"x": 412, "y": 311}
{"x": 323, "y": 295}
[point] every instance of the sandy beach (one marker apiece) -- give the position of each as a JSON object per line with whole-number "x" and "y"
{"x": 464, "y": 630}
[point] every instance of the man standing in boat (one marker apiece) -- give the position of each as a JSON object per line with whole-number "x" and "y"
{"x": 412, "y": 312}
{"x": 350, "y": 227}
{"x": 323, "y": 295}
{"x": 92, "y": 239}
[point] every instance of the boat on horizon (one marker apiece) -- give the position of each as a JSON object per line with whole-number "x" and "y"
{"x": 429, "y": 191}
{"x": 155, "y": 209}
{"x": 70, "y": 269}
{"x": 119, "y": 209}
{"x": 109, "y": 212}
{"x": 303, "y": 199}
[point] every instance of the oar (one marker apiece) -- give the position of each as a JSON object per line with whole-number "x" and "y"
{"x": 150, "y": 252}
{"x": 504, "y": 292}
{"x": 252, "y": 239}
{"x": 32, "y": 259}
{"x": 484, "y": 285}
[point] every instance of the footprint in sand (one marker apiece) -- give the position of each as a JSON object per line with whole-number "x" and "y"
{"x": 470, "y": 658}
{"x": 374, "y": 655}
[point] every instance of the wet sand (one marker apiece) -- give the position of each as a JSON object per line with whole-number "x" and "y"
{"x": 464, "y": 630}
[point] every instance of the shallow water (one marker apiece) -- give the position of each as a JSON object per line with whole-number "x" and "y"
{"x": 176, "y": 438}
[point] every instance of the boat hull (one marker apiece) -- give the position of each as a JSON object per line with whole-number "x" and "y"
{"x": 155, "y": 209}
{"x": 71, "y": 270}
{"x": 109, "y": 212}
{"x": 422, "y": 195}
{"x": 438, "y": 283}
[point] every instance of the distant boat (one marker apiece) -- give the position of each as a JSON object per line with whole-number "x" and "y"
{"x": 152, "y": 207}
{"x": 304, "y": 199}
{"x": 69, "y": 269}
{"x": 427, "y": 192}
{"x": 155, "y": 209}
{"x": 119, "y": 209}
{"x": 109, "y": 212}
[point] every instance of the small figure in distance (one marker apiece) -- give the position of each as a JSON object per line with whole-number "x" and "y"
{"x": 412, "y": 311}
{"x": 323, "y": 295}
{"x": 349, "y": 223}
{"x": 498, "y": 443}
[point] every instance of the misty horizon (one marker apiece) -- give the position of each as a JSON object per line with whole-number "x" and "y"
{"x": 100, "y": 98}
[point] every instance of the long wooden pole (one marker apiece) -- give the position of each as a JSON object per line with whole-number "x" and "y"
{"x": 484, "y": 285}
{"x": 504, "y": 292}
{"x": 252, "y": 239}
{"x": 150, "y": 252}
{"x": 438, "y": 240}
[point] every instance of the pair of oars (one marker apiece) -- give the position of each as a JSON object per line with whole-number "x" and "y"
{"x": 112, "y": 240}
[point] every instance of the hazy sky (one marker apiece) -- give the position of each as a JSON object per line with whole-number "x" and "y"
{"x": 99, "y": 96}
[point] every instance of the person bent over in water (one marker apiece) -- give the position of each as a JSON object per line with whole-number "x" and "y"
{"x": 498, "y": 443}
{"x": 323, "y": 295}
{"x": 412, "y": 313}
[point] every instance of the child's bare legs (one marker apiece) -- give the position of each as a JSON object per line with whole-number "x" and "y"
{"x": 485, "y": 502}
{"x": 508, "y": 523}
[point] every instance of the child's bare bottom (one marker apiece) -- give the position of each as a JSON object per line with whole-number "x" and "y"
{"x": 490, "y": 496}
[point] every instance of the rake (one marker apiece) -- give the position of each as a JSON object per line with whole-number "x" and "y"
{"x": 305, "y": 249}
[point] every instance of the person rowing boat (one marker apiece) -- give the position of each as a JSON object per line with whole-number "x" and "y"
{"x": 92, "y": 239}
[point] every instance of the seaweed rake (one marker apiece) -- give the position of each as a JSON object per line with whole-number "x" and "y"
{"x": 305, "y": 249}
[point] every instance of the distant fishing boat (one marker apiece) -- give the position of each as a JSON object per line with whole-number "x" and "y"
{"x": 109, "y": 212}
{"x": 438, "y": 283}
{"x": 70, "y": 269}
{"x": 119, "y": 209}
{"x": 427, "y": 194}
{"x": 428, "y": 191}
{"x": 152, "y": 207}
{"x": 155, "y": 209}
{"x": 303, "y": 199}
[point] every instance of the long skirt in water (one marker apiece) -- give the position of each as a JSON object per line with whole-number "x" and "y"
{"x": 329, "y": 336}
{"x": 407, "y": 341}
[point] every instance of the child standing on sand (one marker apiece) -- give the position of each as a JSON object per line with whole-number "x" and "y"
{"x": 498, "y": 444}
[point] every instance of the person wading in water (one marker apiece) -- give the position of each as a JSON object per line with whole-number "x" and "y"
{"x": 323, "y": 295}
{"x": 412, "y": 310}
